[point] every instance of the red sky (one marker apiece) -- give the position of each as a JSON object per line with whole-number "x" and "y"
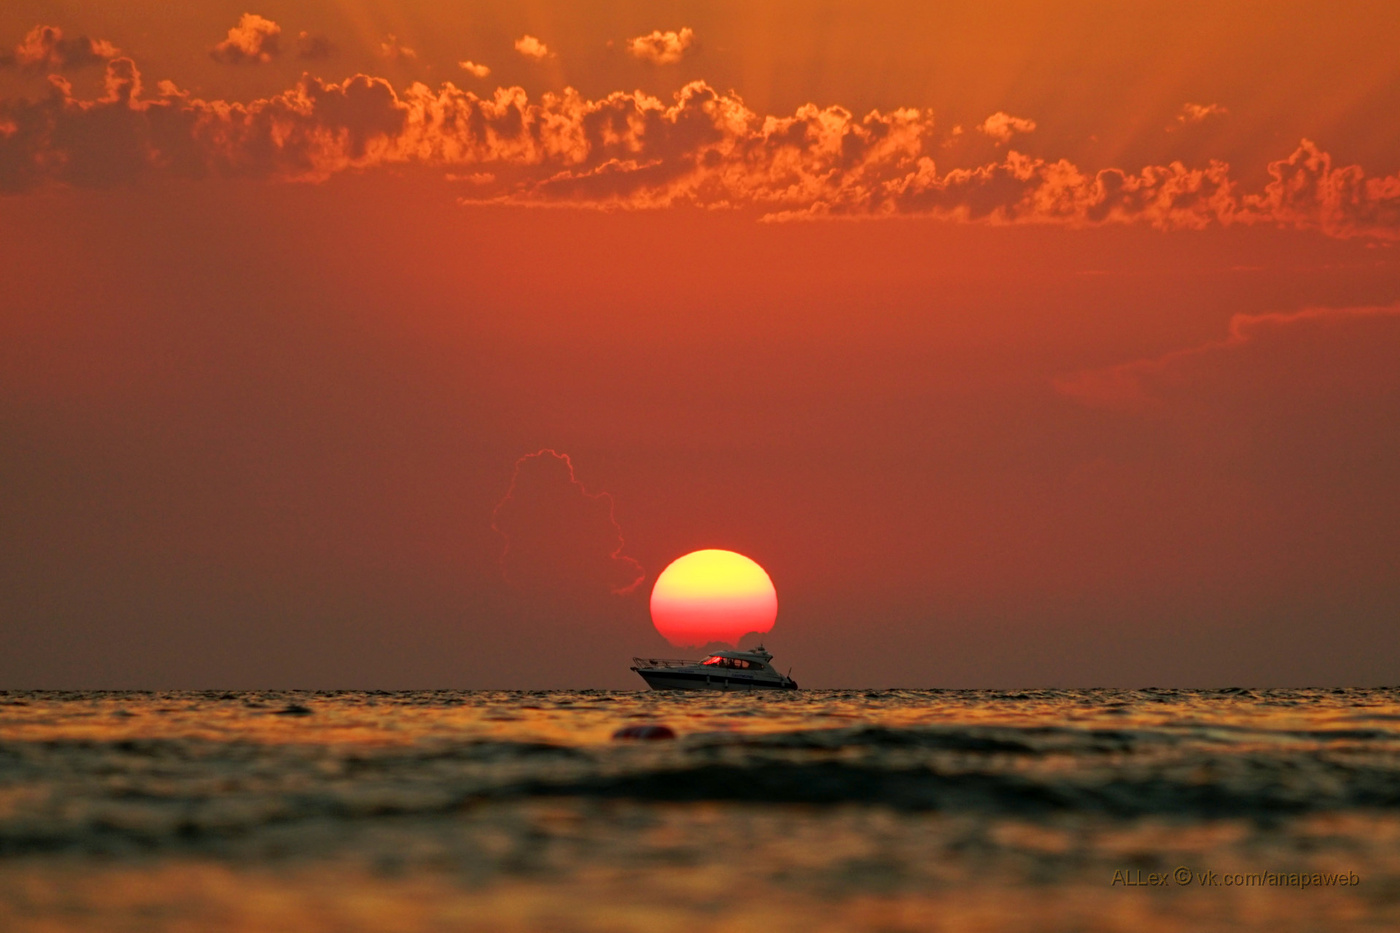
{"x": 1021, "y": 346}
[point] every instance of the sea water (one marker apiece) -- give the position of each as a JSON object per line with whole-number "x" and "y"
{"x": 1090, "y": 810}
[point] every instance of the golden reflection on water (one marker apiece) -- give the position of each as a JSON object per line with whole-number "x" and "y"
{"x": 507, "y": 812}
{"x": 590, "y": 717}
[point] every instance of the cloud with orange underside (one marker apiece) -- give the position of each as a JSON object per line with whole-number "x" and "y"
{"x": 1308, "y": 192}
{"x": 254, "y": 40}
{"x": 630, "y": 150}
{"x": 45, "y": 48}
{"x": 662, "y": 48}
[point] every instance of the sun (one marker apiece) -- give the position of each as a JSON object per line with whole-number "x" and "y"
{"x": 712, "y": 595}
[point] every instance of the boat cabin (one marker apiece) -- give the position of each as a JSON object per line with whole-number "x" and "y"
{"x": 727, "y": 660}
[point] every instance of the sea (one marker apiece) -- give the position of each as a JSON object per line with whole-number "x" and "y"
{"x": 806, "y": 811}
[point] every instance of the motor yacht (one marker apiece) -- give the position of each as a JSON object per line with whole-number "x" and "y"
{"x": 750, "y": 669}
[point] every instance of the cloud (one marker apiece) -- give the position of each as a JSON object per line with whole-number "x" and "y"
{"x": 473, "y": 69}
{"x": 312, "y": 46}
{"x": 629, "y": 150}
{"x": 1306, "y": 192}
{"x": 1303, "y": 354}
{"x": 1294, "y": 413}
{"x": 254, "y": 40}
{"x": 123, "y": 136}
{"x": 1268, "y": 454}
{"x": 662, "y": 48}
{"x": 45, "y": 49}
{"x": 393, "y": 51}
{"x": 560, "y": 539}
{"x": 1002, "y": 126}
{"x": 1191, "y": 114}
{"x": 532, "y": 48}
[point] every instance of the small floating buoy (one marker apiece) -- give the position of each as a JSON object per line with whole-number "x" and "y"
{"x": 645, "y": 732}
{"x": 294, "y": 709}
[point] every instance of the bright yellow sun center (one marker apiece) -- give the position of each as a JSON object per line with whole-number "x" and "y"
{"x": 712, "y": 596}
{"x": 713, "y": 573}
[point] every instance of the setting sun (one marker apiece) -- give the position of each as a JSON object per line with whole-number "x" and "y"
{"x": 712, "y": 596}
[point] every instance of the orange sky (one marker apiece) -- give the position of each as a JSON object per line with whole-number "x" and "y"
{"x": 1072, "y": 390}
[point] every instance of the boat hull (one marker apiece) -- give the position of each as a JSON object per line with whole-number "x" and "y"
{"x": 661, "y": 679}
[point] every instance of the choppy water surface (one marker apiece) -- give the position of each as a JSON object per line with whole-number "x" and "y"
{"x": 813, "y": 811}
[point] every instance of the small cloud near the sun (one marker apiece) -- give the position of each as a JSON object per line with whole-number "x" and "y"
{"x": 474, "y": 69}
{"x": 560, "y": 539}
{"x": 662, "y": 48}
{"x": 254, "y": 40}
{"x": 391, "y": 49}
{"x": 1191, "y": 114}
{"x": 312, "y": 46}
{"x": 1002, "y": 126}
{"x": 532, "y": 48}
{"x": 45, "y": 49}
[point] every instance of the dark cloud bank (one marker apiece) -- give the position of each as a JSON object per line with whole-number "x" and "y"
{"x": 633, "y": 151}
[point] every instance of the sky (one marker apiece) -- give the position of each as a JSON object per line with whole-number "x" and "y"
{"x": 368, "y": 345}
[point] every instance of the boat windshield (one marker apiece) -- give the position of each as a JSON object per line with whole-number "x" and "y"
{"x": 717, "y": 661}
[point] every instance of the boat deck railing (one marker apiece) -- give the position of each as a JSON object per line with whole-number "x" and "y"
{"x": 663, "y": 662}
